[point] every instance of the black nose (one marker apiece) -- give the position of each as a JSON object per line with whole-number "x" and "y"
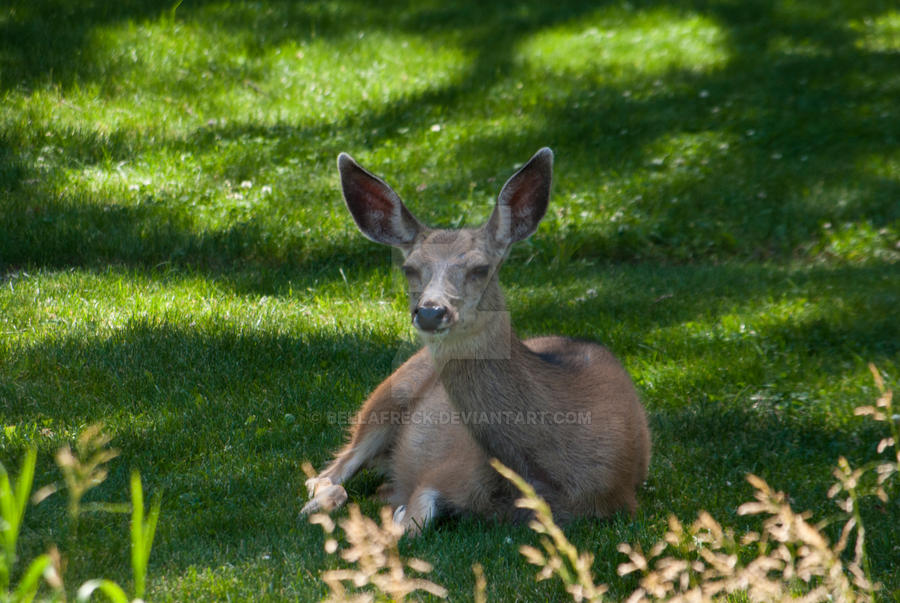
{"x": 428, "y": 318}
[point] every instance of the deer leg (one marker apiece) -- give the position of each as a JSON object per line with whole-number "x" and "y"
{"x": 326, "y": 498}
{"x": 325, "y": 490}
{"x": 367, "y": 442}
{"x": 419, "y": 512}
{"x": 374, "y": 430}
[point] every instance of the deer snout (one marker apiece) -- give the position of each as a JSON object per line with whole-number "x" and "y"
{"x": 430, "y": 317}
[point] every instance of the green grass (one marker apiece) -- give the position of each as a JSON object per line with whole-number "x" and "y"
{"x": 176, "y": 260}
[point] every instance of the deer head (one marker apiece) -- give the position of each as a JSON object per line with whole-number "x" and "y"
{"x": 452, "y": 274}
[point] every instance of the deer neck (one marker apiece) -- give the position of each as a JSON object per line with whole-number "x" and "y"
{"x": 488, "y": 369}
{"x": 489, "y": 377}
{"x": 482, "y": 342}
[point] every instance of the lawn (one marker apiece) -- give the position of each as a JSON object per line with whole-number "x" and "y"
{"x": 177, "y": 264}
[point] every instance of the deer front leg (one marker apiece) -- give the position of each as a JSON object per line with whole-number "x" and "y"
{"x": 326, "y": 497}
{"x": 374, "y": 430}
{"x": 368, "y": 440}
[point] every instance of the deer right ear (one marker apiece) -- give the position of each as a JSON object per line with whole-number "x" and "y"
{"x": 523, "y": 200}
{"x": 376, "y": 208}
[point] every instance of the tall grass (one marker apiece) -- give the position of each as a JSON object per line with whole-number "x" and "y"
{"x": 83, "y": 470}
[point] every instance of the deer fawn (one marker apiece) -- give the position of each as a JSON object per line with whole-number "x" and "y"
{"x": 562, "y": 413}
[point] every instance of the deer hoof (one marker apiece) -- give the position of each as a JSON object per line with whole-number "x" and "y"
{"x": 399, "y": 513}
{"x": 315, "y": 484}
{"x": 327, "y": 499}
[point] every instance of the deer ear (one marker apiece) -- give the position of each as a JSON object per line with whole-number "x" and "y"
{"x": 523, "y": 200}
{"x": 376, "y": 208}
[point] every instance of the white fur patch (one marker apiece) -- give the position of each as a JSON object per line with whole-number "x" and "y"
{"x": 428, "y": 503}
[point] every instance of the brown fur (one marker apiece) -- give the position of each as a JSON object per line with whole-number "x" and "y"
{"x": 562, "y": 413}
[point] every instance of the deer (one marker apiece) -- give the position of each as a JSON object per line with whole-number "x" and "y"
{"x": 561, "y": 412}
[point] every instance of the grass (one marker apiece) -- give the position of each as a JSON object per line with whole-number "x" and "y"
{"x": 176, "y": 261}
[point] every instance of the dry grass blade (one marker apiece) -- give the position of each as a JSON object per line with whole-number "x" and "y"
{"x": 86, "y": 467}
{"x": 375, "y": 560}
{"x": 480, "y": 584}
{"x": 562, "y": 558}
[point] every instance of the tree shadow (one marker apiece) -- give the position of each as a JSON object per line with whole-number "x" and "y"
{"x": 803, "y": 121}
{"x": 220, "y": 422}
{"x": 854, "y": 319}
{"x": 798, "y": 120}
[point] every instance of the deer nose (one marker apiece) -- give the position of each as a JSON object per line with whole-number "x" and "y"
{"x": 429, "y": 318}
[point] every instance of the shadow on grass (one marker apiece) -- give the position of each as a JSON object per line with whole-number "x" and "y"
{"x": 67, "y": 232}
{"x": 220, "y": 422}
{"x": 836, "y": 312}
{"x": 799, "y": 128}
{"x": 800, "y": 104}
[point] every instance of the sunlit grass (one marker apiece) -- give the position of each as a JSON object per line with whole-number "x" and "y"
{"x": 198, "y": 74}
{"x": 176, "y": 260}
{"x": 43, "y": 306}
{"x": 617, "y": 44}
{"x": 880, "y": 33}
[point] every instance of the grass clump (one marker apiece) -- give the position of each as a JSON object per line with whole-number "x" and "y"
{"x": 13, "y": 500}
{"x": 83, "y": 470}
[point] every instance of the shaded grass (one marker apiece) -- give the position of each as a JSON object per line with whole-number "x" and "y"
{"x": 177, "y": 263}
{"x": 218, "y": 409}
{"x": 787, "y": 128}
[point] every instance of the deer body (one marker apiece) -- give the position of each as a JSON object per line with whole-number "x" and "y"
{"x": 562, "y": 413}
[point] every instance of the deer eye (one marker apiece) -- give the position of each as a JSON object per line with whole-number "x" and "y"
{"x": 480, "y": 272}
{"x": 410, "y": 272}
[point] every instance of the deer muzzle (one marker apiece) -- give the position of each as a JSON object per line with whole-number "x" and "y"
{"x": 430, "y": 318}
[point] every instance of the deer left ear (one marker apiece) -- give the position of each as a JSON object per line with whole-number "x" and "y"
{"x": 523, "y": 200}
{"x": 376, "y": 208}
